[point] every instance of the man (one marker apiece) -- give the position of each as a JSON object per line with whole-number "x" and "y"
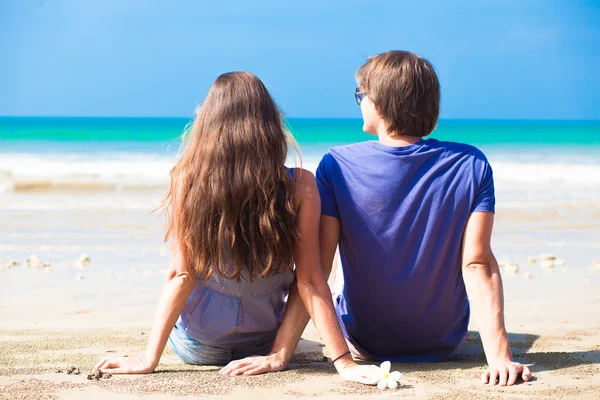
{"x": 413, "y": 219}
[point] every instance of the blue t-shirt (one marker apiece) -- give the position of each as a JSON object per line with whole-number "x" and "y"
{"x": 403, "y": 211}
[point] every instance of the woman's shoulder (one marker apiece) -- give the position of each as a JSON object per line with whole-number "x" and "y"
{"x": 302, "y": 177}
{"x": 305, "y": 186}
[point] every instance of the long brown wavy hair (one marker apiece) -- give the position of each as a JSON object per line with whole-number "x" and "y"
{"x": 230, "y": 194}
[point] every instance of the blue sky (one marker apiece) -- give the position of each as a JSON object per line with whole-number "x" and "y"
{"x": 502, "y": 59}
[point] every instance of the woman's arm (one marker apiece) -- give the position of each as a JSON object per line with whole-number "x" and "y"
{"x": 310, "y": 293}
{"x": 179, "y": 284}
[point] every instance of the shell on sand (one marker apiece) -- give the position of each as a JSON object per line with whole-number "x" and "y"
{"x": 547, "y": 257}
{"x": 527, "y": 275}
{"x": 34, "y": 261}
{"x": 513, "y": 268}
{"x": 84, "y": 260}
{"x": 531, "y": 260}
{"x": 595, "y": 266}
{"x": 548, "y": 264}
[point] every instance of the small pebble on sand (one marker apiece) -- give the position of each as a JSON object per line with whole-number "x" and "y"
{"x": 547, "y": 257}
{"x": 527, "y": 275}
{"x": 97, "y": 375}
{"x": 531, "y": 260}
{"x": 548, "y": 264}
{"x": 14, "y": 263}
{"x": 79, "y": 277}
{"x": 73, "y": 370}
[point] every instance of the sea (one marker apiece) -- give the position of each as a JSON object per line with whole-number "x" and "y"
{"x": 72, "y": 188}
{"x": 545, "y": 160}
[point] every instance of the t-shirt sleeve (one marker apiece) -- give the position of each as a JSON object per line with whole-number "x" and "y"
{"x": 485, "y": 199}
{"x": 324, "y": 178}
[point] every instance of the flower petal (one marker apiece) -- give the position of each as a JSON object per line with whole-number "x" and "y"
{"x": 382, "y": 384}
{"x": 396, "y": 376}
{"x": 385, "y": 366}
{"x": 392, "y": 384}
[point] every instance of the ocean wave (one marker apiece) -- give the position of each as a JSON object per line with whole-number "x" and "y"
{"x": 29, "y": 172}
{"x": 547, "y": 173}
{"x": 48, "y": 172}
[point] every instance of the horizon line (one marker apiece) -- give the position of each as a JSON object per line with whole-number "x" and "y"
{"x": 285, "y": 118}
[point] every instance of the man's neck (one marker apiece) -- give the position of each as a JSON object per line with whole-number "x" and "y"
{"x": 394, "y": 139}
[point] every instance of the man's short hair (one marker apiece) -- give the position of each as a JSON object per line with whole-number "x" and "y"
{"x": 405, "y": 91}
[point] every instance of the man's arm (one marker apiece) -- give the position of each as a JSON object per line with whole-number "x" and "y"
{"x": 484, "y": 288}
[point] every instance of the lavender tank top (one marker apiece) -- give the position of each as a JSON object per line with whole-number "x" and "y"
{"x": 228, "y": 313}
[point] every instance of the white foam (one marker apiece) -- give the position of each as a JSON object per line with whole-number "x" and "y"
{"x": 153, "y": 169}
{"x": 109, "y": 168}
{"x": 547, "y": 173}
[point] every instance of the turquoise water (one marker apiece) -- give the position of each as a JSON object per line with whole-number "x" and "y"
{"x": 338, "y": 131}
{"x": 143, "y": 150}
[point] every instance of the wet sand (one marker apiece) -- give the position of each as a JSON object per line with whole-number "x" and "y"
{"x": 50, "y": 319}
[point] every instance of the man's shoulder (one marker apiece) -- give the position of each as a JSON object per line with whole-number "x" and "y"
{"x": 457, "y": 148}
{"x": 350, "y": 150}
{"x": 345, "y": 152}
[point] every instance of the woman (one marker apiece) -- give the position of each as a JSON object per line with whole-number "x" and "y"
{"x": 240, "y": 220}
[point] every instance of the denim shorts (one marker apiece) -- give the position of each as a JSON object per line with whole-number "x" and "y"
{"x": 192, "y": 352}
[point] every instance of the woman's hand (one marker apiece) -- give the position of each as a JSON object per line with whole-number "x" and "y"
{"x": 255, "y": 365}
{"x": 137, "y": 364}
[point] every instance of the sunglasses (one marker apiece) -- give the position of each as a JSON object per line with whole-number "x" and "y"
{"x": 359, "y": 95}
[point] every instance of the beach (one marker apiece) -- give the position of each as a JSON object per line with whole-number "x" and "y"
{"x": 81, "y": 211}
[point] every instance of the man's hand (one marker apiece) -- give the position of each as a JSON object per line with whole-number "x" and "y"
{"x": 255, "y": 365}
{"x": 505, "y": 373}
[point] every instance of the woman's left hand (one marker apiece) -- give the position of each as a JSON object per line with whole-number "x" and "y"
{"x": 137, "y": 364}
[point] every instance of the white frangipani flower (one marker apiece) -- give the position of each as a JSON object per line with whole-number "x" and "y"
{"x": 388, "y": 379}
